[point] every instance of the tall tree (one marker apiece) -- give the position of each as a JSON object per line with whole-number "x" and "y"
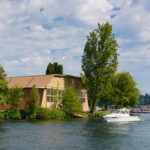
{"x": 99, "y": 62}
{"x": 70, "y": 102}
{"x": 50, "y": 69}
{"x": 15, "y": 97}
{"x": 2, "y": 73}
{"x": 125, "y": 91}
{"x": 33, "y": 102}
{"x": 3, "y": 83}
{"x": 54, "y": 68}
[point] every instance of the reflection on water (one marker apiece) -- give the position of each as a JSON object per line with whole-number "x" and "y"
{"x": 79, "y": 134}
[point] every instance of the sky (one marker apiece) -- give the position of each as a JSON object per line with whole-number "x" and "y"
{"x": 36, "y": 32}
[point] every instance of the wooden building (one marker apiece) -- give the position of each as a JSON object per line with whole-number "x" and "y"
{"x": 51, "y": 88}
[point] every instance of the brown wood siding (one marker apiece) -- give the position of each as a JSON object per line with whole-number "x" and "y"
{"x": 26, "y": 95}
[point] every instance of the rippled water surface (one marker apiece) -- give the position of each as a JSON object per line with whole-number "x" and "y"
{"x": 80, "y": 134}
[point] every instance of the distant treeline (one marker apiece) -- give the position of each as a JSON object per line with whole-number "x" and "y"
{"x": 144, "y": 99}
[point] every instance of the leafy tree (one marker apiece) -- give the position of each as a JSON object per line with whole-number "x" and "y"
{"x": 70, "y": 102}
{"x": 15, "y": 97}
{"x": 99, "y": 62}
{"x": 125, "y": 91}
{"x": 33, "y": 102}
{"x": 54, "y": 68}
{"x": 2, "y": 73}
{"x": 3, "y": 86}
{"x": 107, "y": 95}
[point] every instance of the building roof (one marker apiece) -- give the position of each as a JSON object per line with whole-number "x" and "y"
{"x": 40, "y": 81}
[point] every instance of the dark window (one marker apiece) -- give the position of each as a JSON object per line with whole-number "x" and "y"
{"x": 48, "y": 91}
{"x": 82, "y": 100}
{"x": 48, "y": 98}
{"x": 55, "y": 92}
{"x": 53, "y": 95}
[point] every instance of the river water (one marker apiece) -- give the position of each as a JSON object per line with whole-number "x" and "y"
{"x": 78, "y": 134}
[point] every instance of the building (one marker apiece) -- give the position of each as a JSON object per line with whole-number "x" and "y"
{"x": 51, "y": 88}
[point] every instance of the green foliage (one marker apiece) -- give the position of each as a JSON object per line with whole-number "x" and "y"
{"x": 23, "y": 114}
{"x": 3, "y": 101}
{"x": 45, "y": 113}
{"x": 99, "y": 62}
{"x": 70, "y": 102}
{"x": 107, "y": 94}
{"x": 54, "y": 68}
{"x": 33, "y": 102}
{"x": 100, "y": 114}
{"x": 125, "y": 91}
{"x": 2, "y": 115}
{"x": 3, "y": 86}
{"x": 15, "y": 97}
{"x": 11, "y": 114}
{"x": 2, "y": 73}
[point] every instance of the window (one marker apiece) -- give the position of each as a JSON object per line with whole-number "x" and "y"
{"x": 48, "y": 98}
{"x": 82, "y": 100}
{"x": 53, "y": 95}
{"x": 48, "y": 92}
{"x": 81, "y": 96}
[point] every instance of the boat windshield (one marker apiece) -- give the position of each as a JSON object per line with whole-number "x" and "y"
{"x": 121, "y": 111}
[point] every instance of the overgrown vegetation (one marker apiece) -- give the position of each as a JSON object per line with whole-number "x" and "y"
{"x": 33, "y": 102}
{"x": 100, "y": 114}
{"x": 46, "y": 113}
{"x": 15, "y": 97}
{"x": 70, "y": 102}
{"x": 12, "y": 114}
{"x": 3, "y": 87}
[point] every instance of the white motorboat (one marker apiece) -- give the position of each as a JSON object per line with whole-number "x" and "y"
{"x": 120, "y": 115}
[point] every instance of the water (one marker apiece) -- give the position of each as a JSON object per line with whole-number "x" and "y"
{"x": 79, "y": 134}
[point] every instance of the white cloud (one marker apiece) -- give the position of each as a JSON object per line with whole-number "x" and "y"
{"x": 93, "y": 11}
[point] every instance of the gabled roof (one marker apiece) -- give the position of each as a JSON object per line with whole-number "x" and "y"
{"x": 40, "y": 81}
{"x": 29, "y": 81}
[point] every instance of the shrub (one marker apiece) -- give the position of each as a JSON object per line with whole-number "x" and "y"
{"x": 33, "y": 102}
{"x": 15, "y": 97}
{"x": 12, "y": 114}
{"x": 45, "y": 113}
{"x": 101, "y": 113}
{"x": 23, "y": 114}
{"x": 70, "y": 102}
{"x": 2, "y": 116}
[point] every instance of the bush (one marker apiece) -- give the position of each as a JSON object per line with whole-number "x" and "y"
{"x": 45, "y": 113}
{"x": 2, "y": 116}
{"x": 101, "y": 113}
{"x": 23, "y": 114}
{"x": 33, "y": 102}
{"x": 15, "y": 97}
{"x": 12, "y": 114}
{"x": 70, "y": 102}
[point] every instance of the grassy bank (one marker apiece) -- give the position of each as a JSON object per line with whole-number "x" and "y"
{"x": 45, "y": 114}
{"x": 41, "y": 114}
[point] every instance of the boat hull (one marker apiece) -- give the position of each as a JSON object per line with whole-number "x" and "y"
{"x": 121, "y": 119}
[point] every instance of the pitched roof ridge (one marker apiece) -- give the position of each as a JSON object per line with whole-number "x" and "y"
{"x": 45, "y": 75}
{"x": 30, "y": 76}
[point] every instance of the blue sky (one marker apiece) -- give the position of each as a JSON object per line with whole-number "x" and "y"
{"x": 35, "y": 32}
